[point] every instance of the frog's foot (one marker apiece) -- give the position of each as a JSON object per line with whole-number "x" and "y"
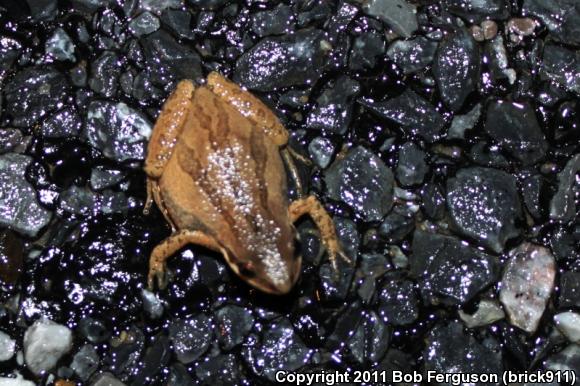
{"x": 287, "y": 156}
{"x": 311, "y": 206}
{"x": 149, "y": 200}
{"x": 168, "y": 247}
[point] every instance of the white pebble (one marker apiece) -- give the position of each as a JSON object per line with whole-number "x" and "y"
{"x": 7, "y": 346}
{"x": 45, "y": 342}
{"x": 569, "y": 324}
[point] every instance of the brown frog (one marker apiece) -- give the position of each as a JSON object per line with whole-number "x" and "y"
{"x": 215, "y": 168}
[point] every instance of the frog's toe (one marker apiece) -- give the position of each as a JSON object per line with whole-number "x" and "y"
{"x": 157, "y": 276}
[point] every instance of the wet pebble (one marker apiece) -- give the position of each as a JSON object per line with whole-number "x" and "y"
{"x": 33, "y": 93}
{"x": 60, "y": 46}
{"x": 566, "y": 360}
{"x": 515, "y": 128}
{"x": 85, "y": 362}
{"x": 462, "y": 123}
{"x": 562, "y": 66}
{"x": 15, "y": 381}
{"x": 7, "y": 346}
{"x": 273, "y": 22}
{"x": 451, "y": 350}
{"x": 561, "y": 17}
{"x": 9, "y": 139}
{"x": 397, "y": 14}
{"x": 144, "y": 24}
{"x": 19, "y": 208}
{"x": 527, "y": 284}
{"x": 152, "y": 304}
{"x": 488, "y": 312}
{"x": 412, "y": 55}
{"x": 321, "y": 151}
{"x": 362, "y": 181}
{"x": 411, "y": 168}
{"x": 477, "y": 10}
{"x": 456, "y": 68}
{"x": 334, "y": 106}
{"x": 103, "y": 178}
{"x": 105, "y": 72}
{"x": 278, "y": 62}
{"x": 220, "y": 370}
{"x": 11, "y": 258}
{"x": 279, "y": 348}
{"x": 233, "y": 323}
{"x": 415, "y": 115}
{"x": 106, "y": 379}
{"x": 94, "y": 330}
{"x": 398, "y": 302}
{"x": 366, "y": 51}
{"x": 371, "y": 339}
{"x": 569, "y": 290}
{"x": 484, "y": 204}
{"x": 563, "y": 204}
{"x": 118, "y": 130}
{"x": 191, "y": 337}
{"x": 45, "y": 342}
{"x": 448, "y": 270}
{"x": 64, "y": 123}
{"x": 569, "y": 324}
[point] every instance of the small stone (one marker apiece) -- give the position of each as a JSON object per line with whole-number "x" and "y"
{"x": 33, "y": 93}
{"x": 522, "y": 26}
{"x": 451, "y": 350}
{"x": 515, "y": 128}
{"x": 105, "y": 72}
{"x": 144, "y": 24}
{"x": 477, "y": 33}
{"x": 277, "y": 21}
{"x": 569, "y": 290}
{"x": 152, "y": 304}
{"x": 566, "y": 360}
{"x": 64, "y": 123}
{"x": 158, "y": 6}
{"x": 370, "y": 340}
{"x": 474, "y": 11}
{"x": 60, "y": 46}
{"x": 498, "y": 60}
{"x": 103, "y": 178}
{"x": 278, "y": 62}
{"x": 94, "y": 330}
{"x": 220, "y": 370}
{"x": 397, "y": 14}
{"x": 106, "y": 379}
{"x": 321, "y": 151}
{"x": 119, "y": 131}
{"x": 569, "y": 324}
{"x": 7, "y": 347}
{"x": 562, "y": 66}
{"x": 527, "y": 284}
{"x": 279, "y": 349}
{"x": 208, "y": 5}
{"x": 411, "y": 168}
{"x": 462, "y": 123}
{"x": 415, "y": 115}
{"x": 19, "y": 208}
{"x": 45, "y": 342}
{"x": 362, "y": 181}
{"x": 365, "y": 51}
{"x": 9, "y": 139}
{"x": 396, "y": 226}
{"x": 488, "y": 312}
{"x": 43, "y": 10}
{"x": 18, "y": 381}
{"x": 563, "y": 204}
{"x": 398, "y": 302}
{"x": 484, "y": 204}
{"x": 233, "y": 325}
{"x": 412, "y": 55}
{"x": 456, "y": 68}
{"x": 191, "y": 337}
{"x": 449, "y": 270}
{"x": 489, "y": 29}
{"x": 179, "y": 21}
{"x": 11, "y": 260}
{"x": 334, "y": 106}
{"x": 85, "y": 362}
{"x": 561, "y": 17}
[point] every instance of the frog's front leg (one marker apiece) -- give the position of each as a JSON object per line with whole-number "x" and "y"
{"x": 167, "y": 128}
{"x": 172, "y": 244}
{"x": 311, "y": 206}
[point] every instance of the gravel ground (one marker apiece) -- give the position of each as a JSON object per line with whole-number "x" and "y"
{"x": 444, "y": 141}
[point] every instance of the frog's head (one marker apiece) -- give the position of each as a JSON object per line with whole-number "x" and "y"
{"x": 270, "y": 266}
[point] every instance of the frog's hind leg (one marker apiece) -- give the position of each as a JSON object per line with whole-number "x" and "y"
{"x": 311, "y": 206}
{"x": 167, "y": 128}
{"x": 169, "y": 246}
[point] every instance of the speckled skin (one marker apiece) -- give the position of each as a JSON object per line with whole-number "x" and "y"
{"x": 215, "y": 170}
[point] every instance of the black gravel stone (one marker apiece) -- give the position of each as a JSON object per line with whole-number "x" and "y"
{"x": 64, "y": 123}
{"x": 362, "y": 181}
{"x": 569, "y": 290}
{"x": 515, "y": 128}
{"x": 366, "y": 51}
{"x": 60, "y": 46}
{"x": 278, "y": 62}
{"x": 411, "y": 168}
{"x": 279, "y": 348}
{"x": 456, "y": 68}
{"x": 221, "y": 370}
{"x": 117, "y": 130}
{"x": 144, "y": 24}
{"x": 561, "y": 17}
{"x": 94, "y": 330}
{"x": 478, "y": 10}
{"x": 398, "y": 302}
{"x": 562, "y": 66}
{"x": 191, "y": 337}
{"x": 416, "y": 116}
{"x": 412, "y": 55}
{"x": 105, "y": 72}
{"x": 85, "y": 362}
{"x": 448, "y": 270}
{"x": 9, "y": 139}
{"x": 396, "y": 226}
{"x": 451, "y": 350}
{"x": 33, "y": 93}
{"x": 563, "y": 204}
{"x": 370, "y": 340}
{"x": 321, "y": 151}
{"x": 276, "y": 21}
{"x": 484, "y": 204}
{"x": 334, "y": 106}
{"x": 397, "y": 14}
{"x": 233, "y": 323}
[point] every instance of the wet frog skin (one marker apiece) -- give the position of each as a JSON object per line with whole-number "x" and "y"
{"x": 216, "y": 169}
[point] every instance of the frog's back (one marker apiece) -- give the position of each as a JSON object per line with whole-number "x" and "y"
{"x": 231, "y": 178}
